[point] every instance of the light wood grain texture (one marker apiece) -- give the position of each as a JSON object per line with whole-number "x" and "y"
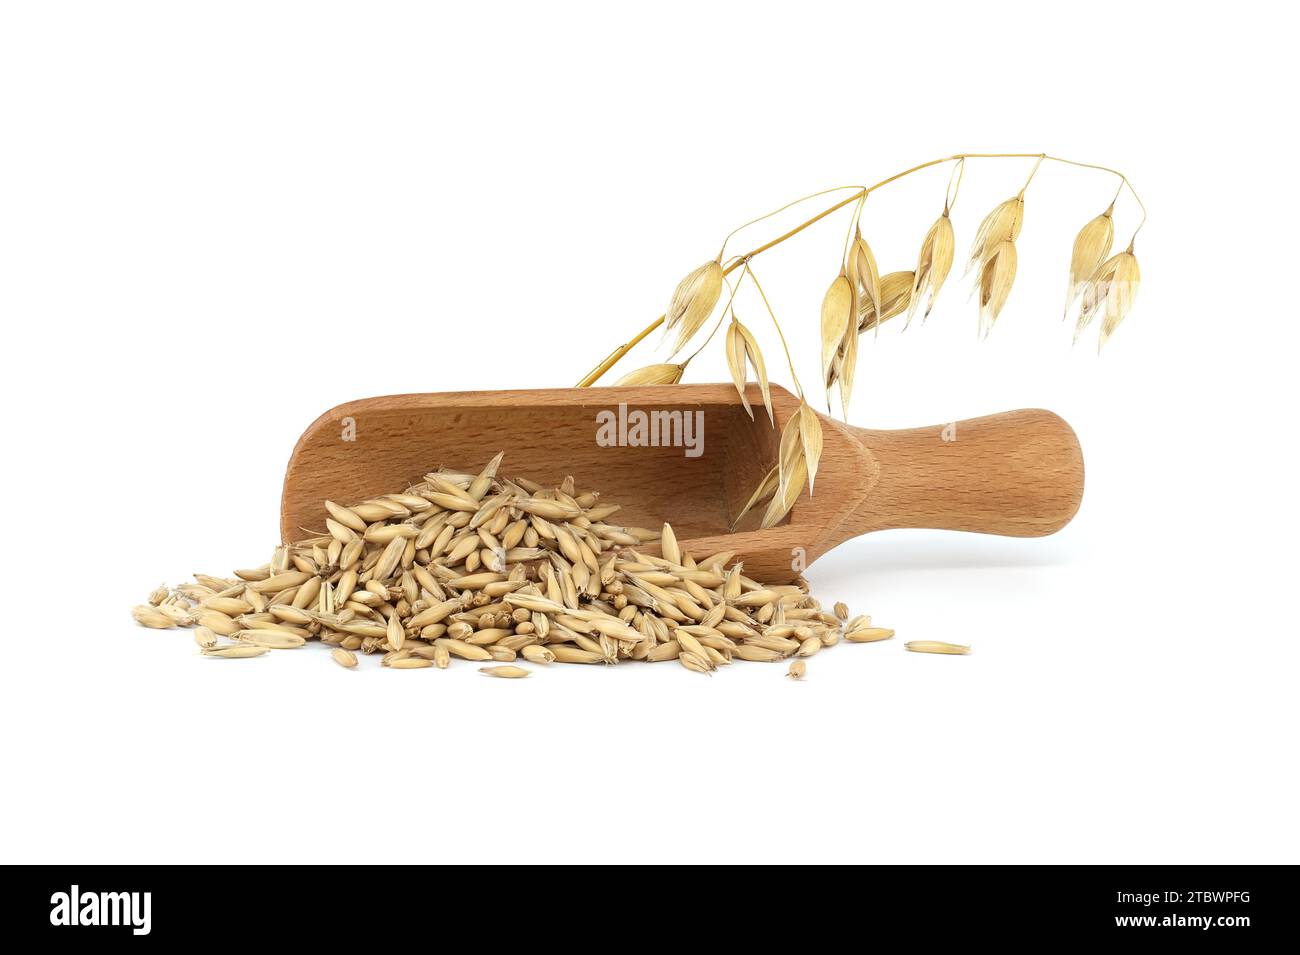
{"x": 1019, "y": 473}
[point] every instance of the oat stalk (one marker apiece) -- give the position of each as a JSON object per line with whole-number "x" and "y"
{"x": 855, "y": 197}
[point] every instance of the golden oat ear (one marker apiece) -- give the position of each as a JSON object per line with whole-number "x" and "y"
{"x": 895, "y": 297}
{"x": 793, "y": 462}
{"x": 766, "y": 488}
{"x": 932, "y": 266}
{"x": 755, "y": 357}
{"x": 1095, "y": 293}
{"x": 810, "y": 435}
{"x": 996, "y": 277}
{"x": 837, "y": 316}
{"x": 868, "y": 273}
{"x": 693, "y": 302}
{"x": 1000, "y": 225}
{"x": 736, "y": 358}
{"x": 792, "y": 483}
{"x": 1123, "y": 290}
{"x": 1091, "y": 246}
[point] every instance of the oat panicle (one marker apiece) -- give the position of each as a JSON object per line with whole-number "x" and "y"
{"x": 862, "y": 298}
{"x": 693, "y": 302}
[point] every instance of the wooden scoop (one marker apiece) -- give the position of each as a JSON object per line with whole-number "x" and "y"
{"x": 1019, "y": 473}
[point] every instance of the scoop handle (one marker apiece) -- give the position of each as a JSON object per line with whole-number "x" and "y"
{"x": 1019, "y": 474}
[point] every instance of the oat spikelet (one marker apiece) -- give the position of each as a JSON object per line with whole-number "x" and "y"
{"x": 693, "y": 302}
{"x": 932, "y": 267}
{"x": 810, "y": 435}
{"x": 1121, "y": 292}
{"x": 996, "y": 277}
{"x": 766, "y": 488}
{"x": 735, "y": 351}
{"x": 1091, "y": 246}
{"x": 788, "y": 492}
{"x": 755, "y": 356}
{"x": 864, "y": 274}
{"x": 837, "y": 316}
{"x": 1110, "y": 291}
{"x": 742, "y": 349}
{"x": 792, "y": 465}
{"x": 664, "y": 374}
{"x": 846, "y": 364}
{"x": 1001, "y": 225}
{"x": 791, "y": 447}
{"x": 895, "y": 296}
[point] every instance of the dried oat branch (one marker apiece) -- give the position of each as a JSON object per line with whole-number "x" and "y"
{"x": 994, "y": 255}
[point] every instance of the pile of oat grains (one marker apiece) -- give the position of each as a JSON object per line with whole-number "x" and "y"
{"x": 493, "y": 570}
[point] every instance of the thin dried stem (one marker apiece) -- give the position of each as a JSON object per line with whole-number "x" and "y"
{"x": 1033, "y": 172}
{"x": 616, "y": 355}
{"x": 799, "y": 228}
{"x": 950, "y": 195}
{"x": 1123, "y": 179}
{"x": 774, "y": 212}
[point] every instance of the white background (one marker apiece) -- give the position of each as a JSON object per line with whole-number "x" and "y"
{"x": 219, "y": 220}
